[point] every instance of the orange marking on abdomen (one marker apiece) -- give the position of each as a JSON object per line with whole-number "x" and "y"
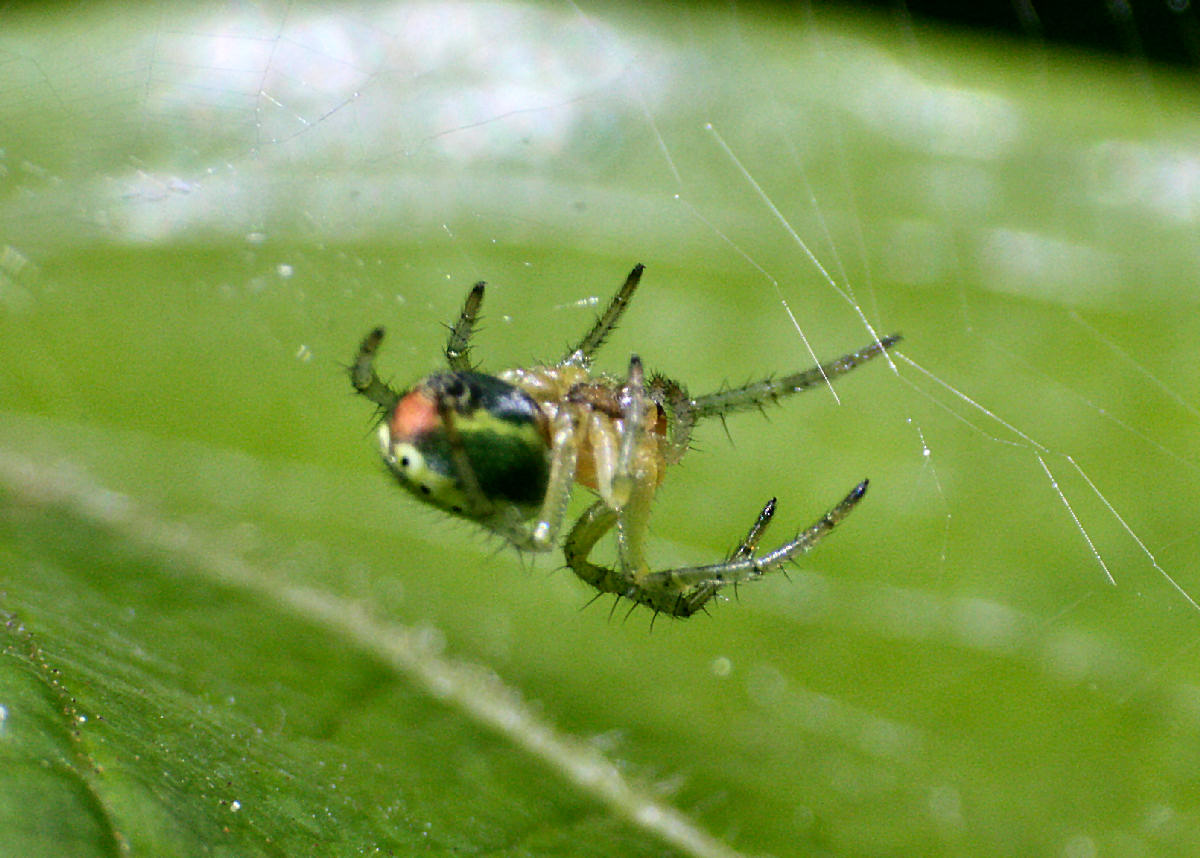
{"x": 414, "y": 415}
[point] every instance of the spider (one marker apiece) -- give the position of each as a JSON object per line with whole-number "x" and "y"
{"x": 506, "y": 450}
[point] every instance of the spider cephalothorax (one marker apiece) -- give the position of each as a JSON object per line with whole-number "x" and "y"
{"x": 506, "y": 450}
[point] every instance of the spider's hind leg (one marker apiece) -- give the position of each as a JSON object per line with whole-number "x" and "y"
{"x": 705, "y": 590}
{"x": 750, "y": 544}
{"x": 598, "y": 520}
{"x": 684, "y": 591}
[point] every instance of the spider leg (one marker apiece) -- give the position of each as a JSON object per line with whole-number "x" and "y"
{"x": 598, "y": 520}
{"x": 581, "y": 355}
{"x": 771, "y": 389}
{"x": 634, "y": 404}
{"x": 637, "y": 475}
{"x": 683, "y": 591}
{"x": 750, "y": 544}
{"x": 364, "y": 377}
{"x": 705, "y": 590}
{"x": 693, "y": 586}
{"x": 564, "y": 460}
{"x": 675, "y": 401}
{"x": 458, "y": 346}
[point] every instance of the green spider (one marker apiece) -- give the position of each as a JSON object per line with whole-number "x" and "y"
{"x": 506, "y": 450}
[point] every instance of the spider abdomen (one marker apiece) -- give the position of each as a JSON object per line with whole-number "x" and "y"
{"x": 502, "y": 433}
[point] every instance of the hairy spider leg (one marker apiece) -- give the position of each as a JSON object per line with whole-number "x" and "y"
{"x": 458, "y": 346}
{"x": 677, "y": 405}
{"x": 581, "y": 355}
{"x": 746, "y": 548}
{"x": 750, "y": 544}
{"x": 564, "y": 460}
{"x": 773, "y": 389}
{"x": 364, "y": 377}
{"x": 479, "y": 506}
{"x": 596, "y": 521}
{"x": 695, "y": 585}
{"x": 634, "y": 404}
{"x": 683, "y": 591}
{"x": 638, "y": 472}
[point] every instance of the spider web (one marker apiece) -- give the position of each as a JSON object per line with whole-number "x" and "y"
{"x": 1018, "y": 584}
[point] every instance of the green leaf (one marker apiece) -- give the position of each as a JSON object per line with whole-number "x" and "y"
{"x": 228, "y": 633}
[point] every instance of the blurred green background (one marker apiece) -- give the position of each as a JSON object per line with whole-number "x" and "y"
{"x": 229, "y": 633}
